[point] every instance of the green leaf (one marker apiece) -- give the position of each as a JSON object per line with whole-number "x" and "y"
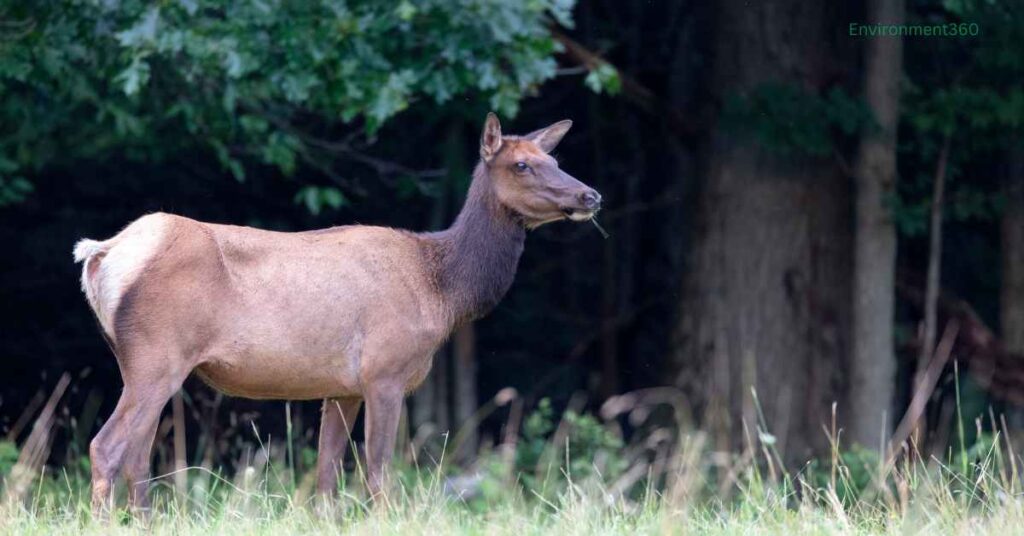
{"x": 604, "y": 79}
{"x": 144, "y": 31}
{"x": 406, "y": 11}
{"x": 333, "y": 197}
{"x": 134, "y": 77}
{"x": 315, "y": 198}
{"x": 311, "y": 198}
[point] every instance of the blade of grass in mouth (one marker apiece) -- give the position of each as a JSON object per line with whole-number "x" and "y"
{"x": 599, "y": 228}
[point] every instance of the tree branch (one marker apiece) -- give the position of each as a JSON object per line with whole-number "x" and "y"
{"x": 632, "y": 90}
{"x": 345, "y": 148}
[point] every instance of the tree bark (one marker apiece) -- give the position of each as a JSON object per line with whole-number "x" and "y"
{"x": 464, "y": 349}
{"x": 765, "y": 297}
{"x": 873, "y": 360}
{"x": 1012, "y": 291}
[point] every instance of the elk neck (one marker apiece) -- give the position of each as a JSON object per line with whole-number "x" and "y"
{"x": 474, "y": 261}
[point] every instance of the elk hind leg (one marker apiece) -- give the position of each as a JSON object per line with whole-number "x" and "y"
{"x": 129, "y": 428}
{"x": 136, "y": 470}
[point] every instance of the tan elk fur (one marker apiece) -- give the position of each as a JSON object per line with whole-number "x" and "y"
{"x": 346, "y": 314}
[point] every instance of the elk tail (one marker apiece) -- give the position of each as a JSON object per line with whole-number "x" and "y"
{"x": 86, "y": 248}
{"x": 90, "y": 252}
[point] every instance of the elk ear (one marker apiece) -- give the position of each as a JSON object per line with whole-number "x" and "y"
{"x": 547, "y": 138}
{"x": 490, "y": 138}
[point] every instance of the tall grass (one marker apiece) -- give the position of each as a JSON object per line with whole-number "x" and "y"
{"x": 566, "y": 475}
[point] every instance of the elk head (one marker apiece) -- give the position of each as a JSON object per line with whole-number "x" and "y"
{"x": 526, "y": 179}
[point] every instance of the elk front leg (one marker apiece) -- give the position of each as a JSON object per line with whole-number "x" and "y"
{"x": 336, "y": 422}
{"x": 383, "y": 410}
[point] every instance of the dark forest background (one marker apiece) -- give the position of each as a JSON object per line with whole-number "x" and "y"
{"x": 798, "y": 216}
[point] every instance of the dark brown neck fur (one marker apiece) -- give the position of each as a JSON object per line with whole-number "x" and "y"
{"x": 475, "y": 259}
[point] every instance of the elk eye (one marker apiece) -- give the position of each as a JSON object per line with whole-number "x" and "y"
{"x": 522, "y": 167}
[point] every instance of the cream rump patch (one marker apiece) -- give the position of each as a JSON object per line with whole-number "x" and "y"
{"x": 120, "y": 262}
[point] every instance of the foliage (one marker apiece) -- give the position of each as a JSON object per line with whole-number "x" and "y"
{"x": 317, "y": 197}
{"x": 585, "y": 448}
{"x": 849, "y": 475}
{"x": 255, "y": 83}
{"x": 604, "y": 79}
{"x": 550, "y": 457}
{"x": 968, "y": 89}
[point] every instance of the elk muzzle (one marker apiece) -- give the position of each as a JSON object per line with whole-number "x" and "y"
{"x": 588, "y": 202}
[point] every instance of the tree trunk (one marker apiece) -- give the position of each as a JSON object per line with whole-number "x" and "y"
{"x": 464, "y": 348}
{"x": 1012, "y": 292}
{"x": 764, "y": 307}
{"x": 872, "y": 359}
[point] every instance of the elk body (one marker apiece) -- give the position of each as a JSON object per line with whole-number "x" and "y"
{"x": 347, "y": 314}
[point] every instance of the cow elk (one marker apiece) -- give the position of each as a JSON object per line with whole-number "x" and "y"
{"x": 349, "y": 314}
{"x": 346, "y": 314}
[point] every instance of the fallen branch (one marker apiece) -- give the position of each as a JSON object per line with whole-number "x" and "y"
{"x": 924, "y": 387}
{"x": 36, "y": 448}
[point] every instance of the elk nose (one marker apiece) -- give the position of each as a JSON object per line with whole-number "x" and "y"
{"x": 590, "y": 199}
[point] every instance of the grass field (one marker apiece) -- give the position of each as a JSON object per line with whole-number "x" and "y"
{"x": 564, "y": 476}
{"x": 935, "y": 503}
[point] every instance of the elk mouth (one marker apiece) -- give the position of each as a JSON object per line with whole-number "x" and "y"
{"x": 578, "y": 214}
